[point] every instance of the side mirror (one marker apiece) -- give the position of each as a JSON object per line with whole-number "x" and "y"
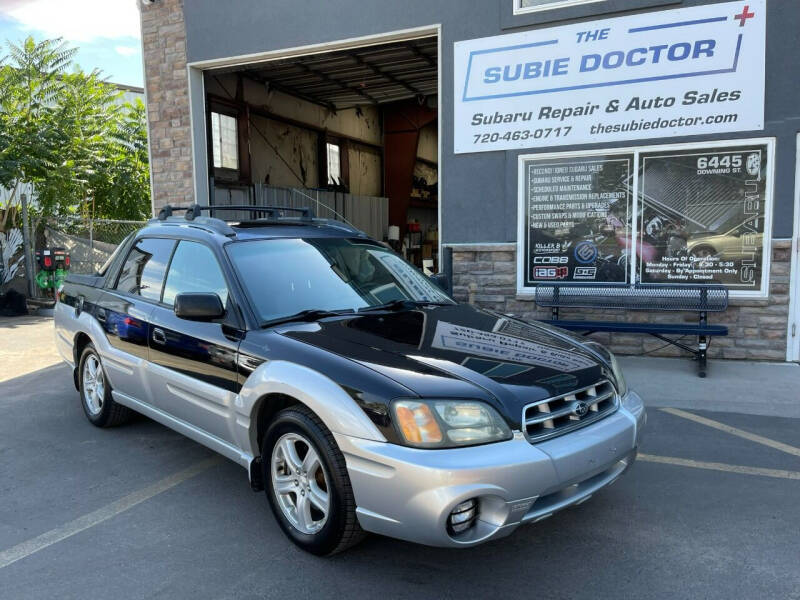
{"x": 441, "y": 281}
{"x": 198, "y": 306}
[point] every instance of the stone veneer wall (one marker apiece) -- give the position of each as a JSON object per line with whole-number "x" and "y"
{"x": 485, "y": 274}
{"x": 167, "y": 90}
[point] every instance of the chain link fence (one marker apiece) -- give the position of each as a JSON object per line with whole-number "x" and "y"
{"x": 89, "y": 241}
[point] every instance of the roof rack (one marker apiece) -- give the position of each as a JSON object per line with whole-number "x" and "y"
{"x": 272, "y": 212}
{"x": 193, "y": 218}
{"x": 271, "y": 216}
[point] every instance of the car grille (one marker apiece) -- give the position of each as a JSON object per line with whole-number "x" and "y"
{"x": 558, "y": 415}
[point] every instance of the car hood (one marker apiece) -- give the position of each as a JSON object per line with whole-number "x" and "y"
{"x": 460, "y": 351}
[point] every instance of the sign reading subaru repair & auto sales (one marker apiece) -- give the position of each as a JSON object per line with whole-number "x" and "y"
{"x": 688, "y": 71}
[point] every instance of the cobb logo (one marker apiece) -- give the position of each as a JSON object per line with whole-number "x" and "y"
{"x": 550, "y": 260}
{"x": 550, "y": 272}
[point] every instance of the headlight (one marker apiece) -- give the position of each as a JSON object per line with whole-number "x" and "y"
{"x": 448, "y": 423}
{"x": 616, "y": 371}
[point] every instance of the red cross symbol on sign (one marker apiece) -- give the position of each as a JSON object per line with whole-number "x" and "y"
{"x": 746, "y": 14}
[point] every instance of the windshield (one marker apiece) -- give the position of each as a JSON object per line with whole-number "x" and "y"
{"x": 283, "y": 277}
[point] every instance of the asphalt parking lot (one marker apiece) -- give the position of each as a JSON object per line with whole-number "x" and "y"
{"x": 710, "y": 511}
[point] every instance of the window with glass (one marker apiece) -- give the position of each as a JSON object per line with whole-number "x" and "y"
{"x": 144, "y": 268}
{"x": 283, "y": 277}
{"x": 225, "y": 141}
{"x": 681, "y": 215}
{"x": 194, "y": 268}
{"x": 527, "y": 6}
{"x": 334, "y": 153}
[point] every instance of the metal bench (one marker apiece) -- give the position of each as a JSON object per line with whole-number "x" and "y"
{"x": 701, "y": 299}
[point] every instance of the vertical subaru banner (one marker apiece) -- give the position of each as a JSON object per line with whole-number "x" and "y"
{"x": 681, "y": 72}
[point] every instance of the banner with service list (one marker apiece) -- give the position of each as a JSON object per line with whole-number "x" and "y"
{"x": 578, "y": 219}
{"x": 688, "y": 71}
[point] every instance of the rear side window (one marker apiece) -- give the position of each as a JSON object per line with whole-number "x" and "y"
{"x": 144, "y": 268}
{"x": 194, "y": 268}
{"x": 104, "y": 269}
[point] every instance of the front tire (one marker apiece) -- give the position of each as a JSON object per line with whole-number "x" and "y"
{"x": 95, "y": 390}
{"x": 307, "y": 484}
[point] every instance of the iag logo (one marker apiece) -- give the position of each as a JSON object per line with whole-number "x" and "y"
{"x": 550, "y": 272}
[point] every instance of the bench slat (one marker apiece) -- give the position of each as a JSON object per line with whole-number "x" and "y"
{"x": 660, "y": 328}
{"x": 706, "y": 298}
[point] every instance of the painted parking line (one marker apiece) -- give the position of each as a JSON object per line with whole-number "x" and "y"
{"x": 25, "y": 549}
{"x": 714, "y": 466}
{"x": 758, "y": 439}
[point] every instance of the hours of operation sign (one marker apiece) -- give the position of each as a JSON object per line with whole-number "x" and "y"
{"x": 702, "y": 216}
{"x": 689, "y": 71}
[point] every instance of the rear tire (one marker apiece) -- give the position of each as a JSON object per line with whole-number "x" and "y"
{"x": 307, "y": 485}
{"x": 95, "y": 391}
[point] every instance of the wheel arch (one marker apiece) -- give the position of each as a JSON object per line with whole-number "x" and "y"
{"x": 264, "y": 412}
{"x": 277, "y": 384}
{"x": 79, "y": 343}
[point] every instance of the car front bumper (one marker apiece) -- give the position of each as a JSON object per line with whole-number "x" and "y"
{"x": 408, "y": 493}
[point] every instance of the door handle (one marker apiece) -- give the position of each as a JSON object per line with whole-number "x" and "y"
{"x": 158, "y": 336}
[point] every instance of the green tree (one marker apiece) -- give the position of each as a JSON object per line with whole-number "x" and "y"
{"x": 122, "y": 184}
{"x": 65, "y": 133}
{"x": 30, "y": 84}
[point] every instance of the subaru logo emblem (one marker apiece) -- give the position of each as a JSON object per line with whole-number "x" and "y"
{"x": 579, "y": 409}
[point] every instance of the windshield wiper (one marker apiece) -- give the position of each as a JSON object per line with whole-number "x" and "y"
{"x": 310, "y": 315}
{"x": 401, "y": 304}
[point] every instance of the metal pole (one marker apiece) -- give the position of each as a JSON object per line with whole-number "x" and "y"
{"x": 26, "y": 246}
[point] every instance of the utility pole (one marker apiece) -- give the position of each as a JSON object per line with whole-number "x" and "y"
{"x": 26, "y": 246}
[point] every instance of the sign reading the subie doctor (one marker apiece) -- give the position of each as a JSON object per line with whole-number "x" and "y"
{"x": 681, "y": 72}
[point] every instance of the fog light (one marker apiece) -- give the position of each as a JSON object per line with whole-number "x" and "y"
{"x": 462, "y": 517}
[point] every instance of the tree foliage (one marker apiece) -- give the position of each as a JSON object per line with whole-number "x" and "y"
{"x": 65, "y": 134}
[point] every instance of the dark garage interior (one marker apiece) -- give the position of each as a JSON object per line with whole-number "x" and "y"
{"x": 352, "y": 133}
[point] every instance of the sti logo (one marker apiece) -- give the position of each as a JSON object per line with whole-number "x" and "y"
{"x": 550, "y": 272}
{"x": 585, "y": 273}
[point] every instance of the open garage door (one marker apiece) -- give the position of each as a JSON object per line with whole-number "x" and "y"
{"x": 353, "y": 133}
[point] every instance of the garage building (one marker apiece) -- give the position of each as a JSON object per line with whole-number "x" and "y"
{"x": 488, "y": 131}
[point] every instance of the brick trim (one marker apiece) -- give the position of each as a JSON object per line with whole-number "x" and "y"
{"x": 486, "y": 276}
{"x": 168, "y": 115}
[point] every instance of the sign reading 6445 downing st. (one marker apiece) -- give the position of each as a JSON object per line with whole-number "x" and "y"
{"x": 688, "y": 71}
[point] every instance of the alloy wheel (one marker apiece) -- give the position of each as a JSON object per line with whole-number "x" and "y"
{"x": 300, "y": 483}
{"x": 93, "y": 385}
